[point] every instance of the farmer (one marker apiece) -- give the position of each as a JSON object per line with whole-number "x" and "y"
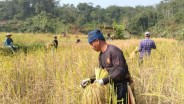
{"x": 9, "y": 42}
{"x": 55, "y": 42}
{"x": 145, "y": 47}
{"x": 111, "y": 58}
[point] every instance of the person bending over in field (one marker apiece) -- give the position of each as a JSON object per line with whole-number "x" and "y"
{"x": 111, "y": 58}
{"x": 9, "y": 43}
{"x": 145, "y": 47}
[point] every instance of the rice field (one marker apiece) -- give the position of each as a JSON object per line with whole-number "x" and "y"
{"x": 53, "y": 77}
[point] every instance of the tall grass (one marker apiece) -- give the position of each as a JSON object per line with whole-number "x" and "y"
{"x": 46, "y": 77}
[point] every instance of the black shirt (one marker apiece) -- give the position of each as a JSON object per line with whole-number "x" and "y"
{"x": 114, "y": 62}
{"x": 55, "y": 43}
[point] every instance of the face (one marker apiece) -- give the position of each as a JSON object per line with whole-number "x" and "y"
{"x": 147, "y": 36}
{"x": 96, "y": 45}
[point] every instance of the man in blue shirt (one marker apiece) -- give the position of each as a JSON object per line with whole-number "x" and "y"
{"x": 9, "y": 42}
{"x": 146, "y": 45}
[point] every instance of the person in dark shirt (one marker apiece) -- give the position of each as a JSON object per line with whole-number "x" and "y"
{"x": 111, "y": 58}
{"x": 55, "y": 42}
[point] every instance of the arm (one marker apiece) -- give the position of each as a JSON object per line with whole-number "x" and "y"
{"x": 86, "y": 81}
{"x": 153, "y": 45}
{"x": 119, "y": 68}
{"x": 92, "y": 78}
{"x": 12, "y": 41}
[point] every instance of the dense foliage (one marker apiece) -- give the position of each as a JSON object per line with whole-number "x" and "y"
{"x": 164, "y": 19}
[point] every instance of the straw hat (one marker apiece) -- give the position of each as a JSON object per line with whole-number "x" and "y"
{"x": 8, "y": 35}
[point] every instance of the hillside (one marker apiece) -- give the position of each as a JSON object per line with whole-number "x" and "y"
{"x": 165, "y": 19}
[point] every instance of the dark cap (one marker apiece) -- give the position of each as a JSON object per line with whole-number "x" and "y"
{"x": 78, "y": 40}
{"x": 55, "y": 36}
{"x": 95, "y": 34}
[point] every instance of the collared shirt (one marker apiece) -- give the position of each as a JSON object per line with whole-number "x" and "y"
{"x": 145, "y": 47}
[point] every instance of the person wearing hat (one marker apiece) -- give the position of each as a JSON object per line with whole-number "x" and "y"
{"x": 111, "y": 58}
{"x": 145, "y": 47}
{"x": 9, "y": 42}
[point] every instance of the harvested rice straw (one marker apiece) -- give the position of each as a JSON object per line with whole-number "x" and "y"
{"x": 96, "y": 93}
{"x": 100, "y": 73}
{"x": 103, "y": 74}
{"x": 133, "y": 53}
{"x": 97, "y": 73}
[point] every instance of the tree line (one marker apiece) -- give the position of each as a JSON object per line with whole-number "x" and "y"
{"x": 164, "y": 19}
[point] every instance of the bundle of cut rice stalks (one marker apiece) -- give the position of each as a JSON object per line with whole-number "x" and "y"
{"x": 133, "y": 53}
{"x": 96, "y": 93}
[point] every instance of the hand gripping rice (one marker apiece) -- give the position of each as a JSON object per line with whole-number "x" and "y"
{"x": 96, "y": 93}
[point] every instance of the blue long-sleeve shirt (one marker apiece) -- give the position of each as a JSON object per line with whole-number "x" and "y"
{"x": 8, "y": 42}
{"x": 145, "y": 47}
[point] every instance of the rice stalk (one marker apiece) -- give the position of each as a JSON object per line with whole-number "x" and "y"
{"x": 96, "y": 93}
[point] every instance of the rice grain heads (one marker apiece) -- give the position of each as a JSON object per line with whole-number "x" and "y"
{"x": 96, "y": 93}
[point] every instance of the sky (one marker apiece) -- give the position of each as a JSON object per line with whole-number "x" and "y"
{"x": 106, "y": 3}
